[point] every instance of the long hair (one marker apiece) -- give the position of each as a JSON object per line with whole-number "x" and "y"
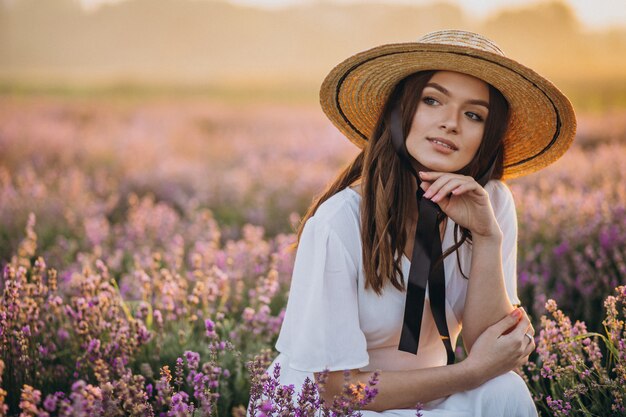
{"x": 388, "y": 187}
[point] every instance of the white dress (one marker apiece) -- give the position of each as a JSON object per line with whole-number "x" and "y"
{"x": 332, "y": 322}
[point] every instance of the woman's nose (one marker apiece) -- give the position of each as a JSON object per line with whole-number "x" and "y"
{"x": 450, "y": 121}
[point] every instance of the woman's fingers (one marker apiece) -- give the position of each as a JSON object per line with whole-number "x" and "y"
{"x": 464, "y": 188}
{"x": 507, "y": 323}
{"x": 522, "y": 326}
{"x": 530, "y": 346}
{"x": 436, "y": 178}
{"x": 447, "y": 188}
{"x": 462, "y": 199}
{"x": 524, "y": 334}
{"x": 430, "y": 176}
{"x": 496, "y": 351}
{"x": 530, "y": 338}
{"x": 440, "y": 187}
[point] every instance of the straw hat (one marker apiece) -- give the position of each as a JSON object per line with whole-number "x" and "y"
{"x": 542, "y": 122}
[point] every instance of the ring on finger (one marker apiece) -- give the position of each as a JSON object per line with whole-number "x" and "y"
{"x": 530, "y": 337}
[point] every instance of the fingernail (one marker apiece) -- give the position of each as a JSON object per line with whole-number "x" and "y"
{"x": 421, "y": 174}
{"x": 517, "y": 313}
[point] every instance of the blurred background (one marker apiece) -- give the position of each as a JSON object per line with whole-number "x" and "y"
{"x": 285, "y": 47}
{"x": 212, "y": 104}
{"x": 172, "y": 146}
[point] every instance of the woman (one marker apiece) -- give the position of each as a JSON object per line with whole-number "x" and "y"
{"x": 416, "y": 239}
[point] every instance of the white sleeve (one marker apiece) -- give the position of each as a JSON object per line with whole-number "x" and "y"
{"x": 506, "y": 216}
{"x": 321, "y": 327}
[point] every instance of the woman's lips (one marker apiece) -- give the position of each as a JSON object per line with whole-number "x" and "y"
{"x": 443, "y": 145}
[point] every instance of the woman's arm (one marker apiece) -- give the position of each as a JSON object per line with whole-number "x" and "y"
{"x": 494, "y": 262}
{"x": 469, "y": 205}
{"x": 493, "y": 355}
{"x": 486, "y": 301}
{"x": 404, "y": 389}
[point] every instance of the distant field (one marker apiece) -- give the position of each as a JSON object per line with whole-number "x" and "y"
{"x": 230, "y": 93}
{"x": 249, "y": 159}
{"x": 595, "y": 96}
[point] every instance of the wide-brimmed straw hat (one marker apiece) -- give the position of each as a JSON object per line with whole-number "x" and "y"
{"x": 542, "y": 121}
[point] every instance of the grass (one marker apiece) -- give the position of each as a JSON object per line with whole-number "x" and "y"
{"x": 253, "y": 93}
{"x": 596, "y": 96}
{"x": 590, "y": 95}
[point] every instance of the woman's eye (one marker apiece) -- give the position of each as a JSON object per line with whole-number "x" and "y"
{"x": 474, "y": 116}
{"x": 430, "y": 101}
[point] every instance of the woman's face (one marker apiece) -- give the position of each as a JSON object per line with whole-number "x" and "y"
{"x": 449, "y": 121}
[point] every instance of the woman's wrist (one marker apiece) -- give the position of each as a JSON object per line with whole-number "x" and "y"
{"x": 474, "y": 375}
{"x": 491, "y": 236}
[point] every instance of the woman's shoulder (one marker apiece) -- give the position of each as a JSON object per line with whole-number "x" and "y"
{"x": 340, "y": 207}
{"x": 340, "y": 214}
{"x": 499, "y": 193}
{"x": 502, "y": 201}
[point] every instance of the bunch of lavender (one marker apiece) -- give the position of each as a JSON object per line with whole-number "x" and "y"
{"x": 228, "y": 295}
{"x": 577, "y": 257}
{"x": 58, "y": 329}
{"x": 125, "y": 393}
{"x": 574, "y": 374}
{"x": 50, "y": 343}
{"x": 269, "y": 398}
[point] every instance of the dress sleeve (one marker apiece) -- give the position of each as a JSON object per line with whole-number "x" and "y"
{"x": 506, "y": 215}
{"x": 321, "y": 326}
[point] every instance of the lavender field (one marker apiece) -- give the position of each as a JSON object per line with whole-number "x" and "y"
{"x": 146, "y": 252}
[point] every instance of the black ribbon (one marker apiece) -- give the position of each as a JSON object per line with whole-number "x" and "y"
{"x": 426, "y": 262}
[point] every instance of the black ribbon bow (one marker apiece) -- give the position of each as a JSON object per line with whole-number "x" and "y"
{"x": 426, "y": 265}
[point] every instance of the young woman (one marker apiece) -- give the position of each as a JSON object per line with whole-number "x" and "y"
{"x": 416, "y": 239}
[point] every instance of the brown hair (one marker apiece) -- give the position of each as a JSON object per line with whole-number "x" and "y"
{"x": 388, "y": 187}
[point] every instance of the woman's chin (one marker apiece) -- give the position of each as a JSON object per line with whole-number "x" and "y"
{"x": 429, "y": 160}
{"x": 438, "y": 166}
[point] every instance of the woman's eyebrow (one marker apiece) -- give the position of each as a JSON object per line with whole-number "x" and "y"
{"x": 447, "y": 93}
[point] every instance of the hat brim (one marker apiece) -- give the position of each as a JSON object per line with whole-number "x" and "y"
{"x": 542, "y": 123}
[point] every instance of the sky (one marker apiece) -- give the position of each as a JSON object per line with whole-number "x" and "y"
{"x": 595, "y": 14}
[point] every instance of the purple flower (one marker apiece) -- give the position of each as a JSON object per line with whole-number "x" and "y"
{"x": 63, "y": 335}
{"x": 50, "y": 403}
{"x": 266, "y": 406}
{"x": 210, "y": 329}
{"x": 179, "y": 406}
{"x": 562, "y": 249}
{"x": 193, "y": 360}
{"x": 94, "y": 345}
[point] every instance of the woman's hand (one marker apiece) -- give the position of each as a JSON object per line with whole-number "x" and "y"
{"x": 462, "y": 199}
{"x": 504, "y": 346}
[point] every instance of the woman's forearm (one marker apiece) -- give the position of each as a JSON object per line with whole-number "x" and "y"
{"x": 494, "y": 353}
{"x": 486, "y": 301}
{"x": 404, "y": 389}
